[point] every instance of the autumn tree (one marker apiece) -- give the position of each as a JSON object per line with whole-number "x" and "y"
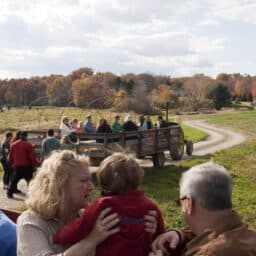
{"x": 242, "y": 88}
{"x": 121, "y": 100}
{"x": 196, "y": 89}
{"x": 223, "y": 77}
{"x": 12, "y": 93}
{"x": 81, "y": 73}
{"x": 36, "y": 91}
{"x": 147, "y": 80}
{"x": 128, "y": 82}
{"x": 239, "y": 88}
{"x": 2, "y": 93}
{"x": 58, "y": 91}
{"x": 89, "y": 93}
{"x": 253, "y": 89}
{"x": 161, "y": 79}
{"x": 164, "y": 98}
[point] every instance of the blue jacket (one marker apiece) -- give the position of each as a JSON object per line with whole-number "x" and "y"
{"x": 8, "y": 237}
{"x": 89, "y": 127}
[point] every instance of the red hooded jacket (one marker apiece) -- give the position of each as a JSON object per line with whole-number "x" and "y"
{"x": 131, "y": 239}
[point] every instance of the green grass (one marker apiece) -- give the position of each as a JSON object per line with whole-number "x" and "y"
{"x": 243, "y": 120}
{"x": 162, "y": 184}
{"x": 193, "y": 134}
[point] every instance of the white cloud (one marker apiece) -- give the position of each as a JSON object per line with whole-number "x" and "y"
{"x": 44, "y": 37}
{"x": 209, "y": 22}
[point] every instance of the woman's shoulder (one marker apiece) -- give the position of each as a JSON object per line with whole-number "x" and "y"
{"x": 31, "y": 220}
{"x": 30, "y": 217}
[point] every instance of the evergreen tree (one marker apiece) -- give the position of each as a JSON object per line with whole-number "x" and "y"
{"x": 220, "y": 96}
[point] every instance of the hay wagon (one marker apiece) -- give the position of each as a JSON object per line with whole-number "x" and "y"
{"x": 151, "y": 143}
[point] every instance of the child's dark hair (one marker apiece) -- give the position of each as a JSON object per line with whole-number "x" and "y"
{"x": 119, "y": 173}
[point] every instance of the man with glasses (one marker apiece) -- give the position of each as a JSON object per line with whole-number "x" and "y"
{"x": 215, "y": 229}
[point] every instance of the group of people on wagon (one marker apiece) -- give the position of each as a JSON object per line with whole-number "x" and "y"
{"x": 71, "y": 129}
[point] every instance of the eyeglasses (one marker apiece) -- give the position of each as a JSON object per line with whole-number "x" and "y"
{"x": 179, "y": 200}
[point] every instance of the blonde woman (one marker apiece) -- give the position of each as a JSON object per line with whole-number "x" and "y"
{"x": 67, "y": 130}
{"x": 59, "y": 190}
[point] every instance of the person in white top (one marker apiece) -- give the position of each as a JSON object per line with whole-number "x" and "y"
{"x": 65, "y": 128}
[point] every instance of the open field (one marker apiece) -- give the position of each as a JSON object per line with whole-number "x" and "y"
{"x": 237, "y": 120}
{"x": 49, "y": 117}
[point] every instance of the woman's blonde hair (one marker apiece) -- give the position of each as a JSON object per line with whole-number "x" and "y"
{"x": 47, "y": 193}
{"x": 119, "y": 173}
{"x": 64, "y": 118}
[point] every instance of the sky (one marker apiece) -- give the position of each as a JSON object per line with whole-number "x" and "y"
{"x": 160, "y": 37}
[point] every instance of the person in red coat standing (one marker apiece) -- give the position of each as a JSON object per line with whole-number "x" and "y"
{"x": 119, "y": 176}
{"x": 23, "y": 159}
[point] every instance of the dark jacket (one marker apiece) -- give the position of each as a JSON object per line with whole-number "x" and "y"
{"x": 103, "y": 129}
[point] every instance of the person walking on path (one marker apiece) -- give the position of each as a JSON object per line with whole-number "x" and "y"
{"x": 5, "y": 150}
{"x": 23, "y": 159}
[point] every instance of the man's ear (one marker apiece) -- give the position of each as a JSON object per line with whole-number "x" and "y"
{"x": 189, "y": 205}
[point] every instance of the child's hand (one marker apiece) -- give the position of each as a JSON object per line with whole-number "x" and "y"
{"x": 150, "y": 222}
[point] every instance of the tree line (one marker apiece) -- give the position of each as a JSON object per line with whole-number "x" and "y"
{"x": 143, "y": 93}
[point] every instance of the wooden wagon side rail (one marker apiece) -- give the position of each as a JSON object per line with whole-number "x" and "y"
{"x": 152, "y": 142}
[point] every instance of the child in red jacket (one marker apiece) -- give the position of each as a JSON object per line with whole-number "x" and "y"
{"x": 119, "y": 176}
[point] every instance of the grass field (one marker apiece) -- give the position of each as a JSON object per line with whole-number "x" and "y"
{"x": 244, "y": 121}
{"x": 49, "y": 117}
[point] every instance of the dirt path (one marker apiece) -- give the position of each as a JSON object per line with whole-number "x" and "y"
{"x": 218, "y": 139}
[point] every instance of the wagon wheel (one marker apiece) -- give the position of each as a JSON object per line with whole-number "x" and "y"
{"x": 189, "y": 147}
{"x": 158, "y": 160}
{"x": 177, "y": 149}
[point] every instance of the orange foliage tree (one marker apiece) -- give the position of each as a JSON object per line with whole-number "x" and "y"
{"x": 253, "y": 89}
{"x": 164, "y": 97}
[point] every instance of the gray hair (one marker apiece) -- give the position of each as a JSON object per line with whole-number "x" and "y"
{"x": 209, "y": 184}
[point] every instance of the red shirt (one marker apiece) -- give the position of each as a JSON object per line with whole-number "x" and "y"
{"x": 22, "y": 153}
{"x": 131, "y": 240}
